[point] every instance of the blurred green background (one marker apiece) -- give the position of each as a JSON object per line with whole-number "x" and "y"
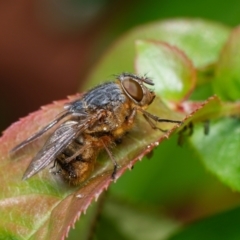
{"x": 48, "y": 47}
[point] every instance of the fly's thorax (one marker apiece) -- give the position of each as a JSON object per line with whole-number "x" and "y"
{"x": 106, "y": 96}
{"x": 113, "y": 118}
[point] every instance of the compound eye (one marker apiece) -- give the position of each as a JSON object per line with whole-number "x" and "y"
{"x": 134, "y": 89}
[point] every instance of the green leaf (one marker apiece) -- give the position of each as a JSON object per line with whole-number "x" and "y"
{"x": 200, "y": 40}
{"x": 227, "y": 81}
{"x": 219, "y": 151}
{"x": 175, "y": 76}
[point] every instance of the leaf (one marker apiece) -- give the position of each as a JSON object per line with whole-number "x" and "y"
{"x": 174, "y": 72}
{"x": 49, "y": 207}
{"x": 200, "y": 40}
{"x": 55, "y": 206}
{"x": 43, "y": 207}
{"x": 219, "y": 151}
{"x": 227, "y": 81}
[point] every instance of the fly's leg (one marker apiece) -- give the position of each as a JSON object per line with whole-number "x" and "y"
{"x": 57, "y": 171}
{"x": 158, "y": 119}
{"x": 206, "y": 127}
{"x": 74, "y": 156}
{"x": 186, "y": 131}
{"x": 115, "y": 165}
{"x": 153, "y": 124}
{"x": 54, "y": 166}
{"x": 132, "y": 116}
{"x": 149, "y": 117}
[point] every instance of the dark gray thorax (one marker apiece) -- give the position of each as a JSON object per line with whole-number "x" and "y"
{"x": 105, "y": 96}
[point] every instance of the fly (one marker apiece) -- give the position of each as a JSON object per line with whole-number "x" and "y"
{"x": 91, "y": 124}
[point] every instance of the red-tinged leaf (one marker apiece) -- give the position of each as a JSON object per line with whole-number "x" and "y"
{"x": 170, "y": 66}
{"x": 215, "y": 109}
{"x": 43, "y": 207}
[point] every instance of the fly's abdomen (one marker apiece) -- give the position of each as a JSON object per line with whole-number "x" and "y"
{"x": 76, "y": 162}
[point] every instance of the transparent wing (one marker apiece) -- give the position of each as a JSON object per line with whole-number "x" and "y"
{"x": 39, "y": 133}
{"x": 62, "y": 136}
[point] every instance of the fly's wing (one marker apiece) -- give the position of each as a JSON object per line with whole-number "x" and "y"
{"x": 39, "y": 133}
{"x": 62, "y": 136}
{"x": 58, "y": 141}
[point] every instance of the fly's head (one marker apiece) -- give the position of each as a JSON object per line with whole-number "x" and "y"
{"x": 133, "y": 86}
